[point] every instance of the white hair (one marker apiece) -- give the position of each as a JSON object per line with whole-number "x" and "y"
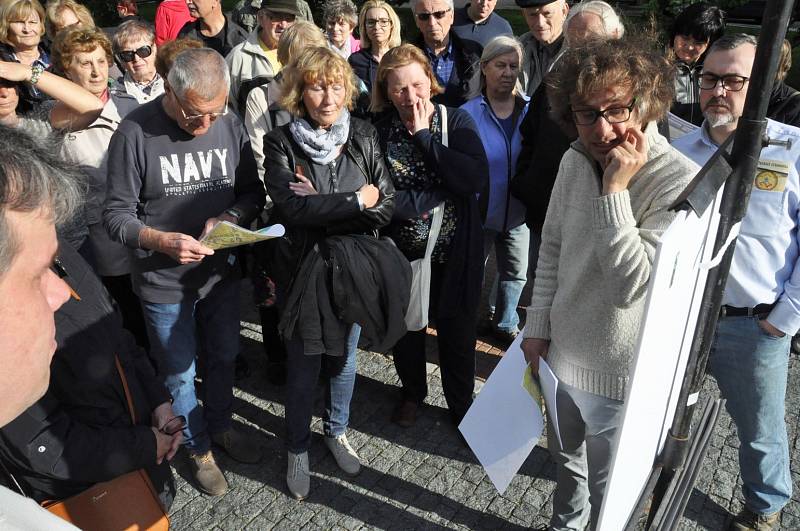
{"x": 415, "y": 2}
{"x": 498, "y": 46}
{"x": 611, "y": 22}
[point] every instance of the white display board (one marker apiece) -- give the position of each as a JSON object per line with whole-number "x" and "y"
{"x": 676, "y": 287}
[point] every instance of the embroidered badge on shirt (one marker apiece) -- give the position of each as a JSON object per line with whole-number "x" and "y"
{"x": 771, "y": 175}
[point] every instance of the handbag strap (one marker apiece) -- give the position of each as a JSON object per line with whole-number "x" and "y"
{"x": 443, "y": 112}
{"x": 438, "y": 211}
{"x": 126, "y": 389}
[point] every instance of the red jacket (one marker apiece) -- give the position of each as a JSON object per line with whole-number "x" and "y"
{"x": 171, "y": 15}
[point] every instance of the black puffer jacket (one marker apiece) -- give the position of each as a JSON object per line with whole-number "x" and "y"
{"x": 311, "y": 219}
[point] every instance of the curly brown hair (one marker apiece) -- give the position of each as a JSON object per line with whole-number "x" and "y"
{"x": 70, "y": 41}
{"x": 599, "y": 65}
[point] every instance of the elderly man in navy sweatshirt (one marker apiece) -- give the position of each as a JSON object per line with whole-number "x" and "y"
{"x": 177, "y": 166}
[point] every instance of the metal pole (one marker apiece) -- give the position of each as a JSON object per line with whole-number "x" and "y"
{"x": 747, "y": 145}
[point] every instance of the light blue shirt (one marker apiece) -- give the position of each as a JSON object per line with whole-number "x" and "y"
{"x": 764, "y": 267}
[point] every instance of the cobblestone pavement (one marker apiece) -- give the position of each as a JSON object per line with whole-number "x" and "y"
{"x": 417, "y": 478}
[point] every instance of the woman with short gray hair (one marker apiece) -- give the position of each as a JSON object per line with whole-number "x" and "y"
{"x": 498, "y": 106}
{"x": 135, "y": 49}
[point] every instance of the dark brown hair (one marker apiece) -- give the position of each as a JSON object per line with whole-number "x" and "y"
{"x": 627, "y": 63}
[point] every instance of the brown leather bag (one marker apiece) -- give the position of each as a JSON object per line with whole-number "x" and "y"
{"x": 128, "y": 502}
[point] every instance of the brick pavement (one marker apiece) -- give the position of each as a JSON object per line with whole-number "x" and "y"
{"x": 418, "y": 478}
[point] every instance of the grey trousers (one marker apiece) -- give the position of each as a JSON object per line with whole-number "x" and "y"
{"x": 588, "y": 424}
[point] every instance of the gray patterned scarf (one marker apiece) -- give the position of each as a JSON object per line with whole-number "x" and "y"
{"x": 322, "y": 145}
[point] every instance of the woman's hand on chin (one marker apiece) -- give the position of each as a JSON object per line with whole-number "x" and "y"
{"x": 420, "y": 118}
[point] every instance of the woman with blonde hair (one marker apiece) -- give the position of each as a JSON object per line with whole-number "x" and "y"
{"x": 21, "y": 32}
{"x": 438, "y": 167}
{"x": 263, "y": 113}
{"x": 326, "y": 177}
{"x": 379, "y": 29}
{"x": 64, "y": 13}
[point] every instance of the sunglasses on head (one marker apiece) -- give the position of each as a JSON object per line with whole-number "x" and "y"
{"x": 438, "y": 15}
{"x": 127, "y": 56}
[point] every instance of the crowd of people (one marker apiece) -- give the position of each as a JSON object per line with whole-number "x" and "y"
{"x": 396, "y": 169}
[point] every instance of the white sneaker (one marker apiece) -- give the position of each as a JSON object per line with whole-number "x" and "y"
{"x": 345, "y": 456}
{"x": 298, "y": 478}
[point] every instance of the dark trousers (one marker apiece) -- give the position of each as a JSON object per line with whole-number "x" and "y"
{"x": 129, "y": 306}
{"x": 456, "y": 340}
{"x": 273, "y": 345}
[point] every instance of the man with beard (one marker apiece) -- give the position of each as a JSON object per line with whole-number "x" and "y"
{"x": 761, "y": 304}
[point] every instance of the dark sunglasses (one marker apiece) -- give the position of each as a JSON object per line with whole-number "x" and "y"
{"x": 438, "y": 15}
{"x": 126, "y": 56}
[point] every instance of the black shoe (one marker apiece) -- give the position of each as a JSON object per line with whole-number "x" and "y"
{"x": 506, "y": 336}
{"x": 405, "y": 413}
{"x": 485, "y": 326}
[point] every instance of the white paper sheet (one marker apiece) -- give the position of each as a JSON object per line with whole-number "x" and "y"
{"x": 549, "y": 383}
{"x": 504, "y": 423}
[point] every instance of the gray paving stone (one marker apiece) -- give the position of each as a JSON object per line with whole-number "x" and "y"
{"x": 422, "y": 477}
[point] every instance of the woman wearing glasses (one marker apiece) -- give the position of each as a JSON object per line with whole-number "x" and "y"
{"x": 379, "y": 29}
{"x": 135, "y": 49}
{"x": 609, "y": 207}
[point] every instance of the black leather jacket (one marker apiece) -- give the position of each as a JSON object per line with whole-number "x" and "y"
{"x": 312, "y": 218}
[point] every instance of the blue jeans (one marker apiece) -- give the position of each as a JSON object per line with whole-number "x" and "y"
{"x": 751, "y": 368}
{"x": 302, "y": 374}
{"x": 178, "y": 333}
{"x": 511, "y": 249}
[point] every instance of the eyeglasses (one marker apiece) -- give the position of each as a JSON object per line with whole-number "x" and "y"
{"x": 438, "y": 15}
{"x": 173, "y": 425}
{"x": 614, "y": 115}
{"x": 730, "y": 82}
{"x": 127, "y": 56}
{"x": 198, "y": 117}
{"x": 382, "y": 22}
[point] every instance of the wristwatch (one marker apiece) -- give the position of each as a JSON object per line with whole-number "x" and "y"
{"x": 36, "y": 72}
{"x": 234, "y": 212}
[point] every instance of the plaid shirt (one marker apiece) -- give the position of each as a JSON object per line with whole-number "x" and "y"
{"x": 443, "y": 64}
